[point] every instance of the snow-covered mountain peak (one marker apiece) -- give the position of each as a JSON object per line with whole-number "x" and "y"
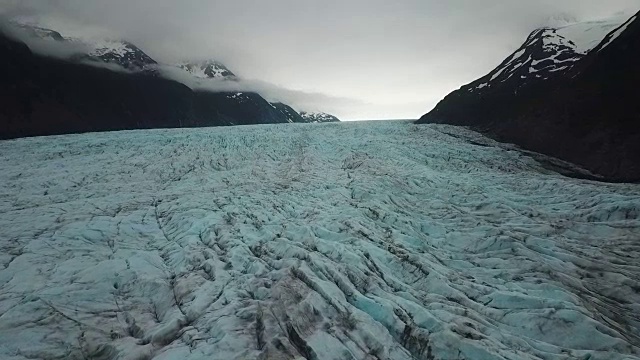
{"x": 114, "y": 51}
{"x": 119, "y": 52}
{"x": 208, "y": 69}
{"x": 317, "y": 117}
{"x": 546, "y": 52}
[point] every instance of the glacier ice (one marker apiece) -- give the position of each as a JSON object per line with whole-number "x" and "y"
{"x": 373, "y": 240}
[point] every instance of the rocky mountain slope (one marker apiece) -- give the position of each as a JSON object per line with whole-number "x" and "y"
{"x": 118, "y": 52}
{"x": 291, "y": 115}
{"x": 547, "y": 53}
{"x": 563, "y": 93}
{"x": 44, "y": 96}
{"x": 122, "y": 53}
{"x": 303, "y": 117}
{"x": 211, "y": 69}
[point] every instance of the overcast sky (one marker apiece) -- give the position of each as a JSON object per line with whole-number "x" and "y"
{"x": 361, "y": 59}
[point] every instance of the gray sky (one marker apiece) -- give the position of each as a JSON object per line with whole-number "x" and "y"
{"x": 360, "y": 59}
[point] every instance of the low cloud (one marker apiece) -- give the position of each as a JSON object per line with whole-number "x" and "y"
{"x": 46, "y": 47}
{"x": 299, "y": 100}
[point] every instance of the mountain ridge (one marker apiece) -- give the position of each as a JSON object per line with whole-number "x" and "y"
{"x": 109, "y": 102}
{"x": 47, "y": 96}
{"x": 583, "y": 112}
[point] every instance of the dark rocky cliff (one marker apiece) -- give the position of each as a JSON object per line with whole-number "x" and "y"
{"x": 588, "y": 114}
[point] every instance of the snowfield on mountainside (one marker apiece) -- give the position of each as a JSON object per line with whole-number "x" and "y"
{"x": 369, "y": 240}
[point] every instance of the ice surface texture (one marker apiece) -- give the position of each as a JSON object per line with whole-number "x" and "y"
{"x": 380, "y": 240}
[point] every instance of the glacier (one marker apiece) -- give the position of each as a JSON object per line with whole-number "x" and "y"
{"x": 365, "y": 240}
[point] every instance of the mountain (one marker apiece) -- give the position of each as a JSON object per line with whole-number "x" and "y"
{"x": 122, "y": 53}
{"x": 211, "y": 69}
{"x": 303, "y": 117}
{"x": 46, "y": 96}
{"x": 43, "y": 95}
{"x": 208, "y": 69}
{"x": 318, "y": 117}
{"x": 229, "y": 108}
{"x": 291, "y": 115}
{"x": 119, "y": 52}
{"x": 569, "y": 92}
{"x": 547, "y": 53}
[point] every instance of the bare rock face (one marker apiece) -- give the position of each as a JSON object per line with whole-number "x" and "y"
{"x": 568, "y": 92}
{"x": 292, "y": 115}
